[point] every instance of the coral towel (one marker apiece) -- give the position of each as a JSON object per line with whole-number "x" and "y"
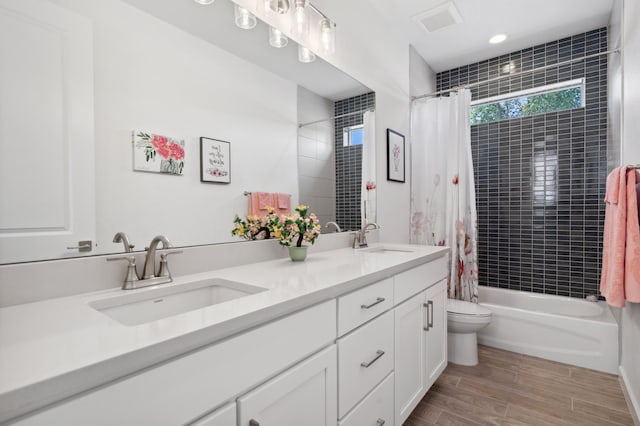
{"x": 283, "y": 203}
{"x": 620, "y": 279}
{"x": 258, "y": 203}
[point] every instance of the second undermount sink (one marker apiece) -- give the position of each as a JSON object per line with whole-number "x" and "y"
{"x": 163, "y": 302}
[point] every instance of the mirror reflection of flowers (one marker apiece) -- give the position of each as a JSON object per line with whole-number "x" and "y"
{"x": 297, "y": 228}
{"x": 370, "y": 185}
{"x": 256, "y": 227}
{"x": 171, "y": 151}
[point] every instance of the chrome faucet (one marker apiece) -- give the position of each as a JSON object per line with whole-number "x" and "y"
{"x": 149, "y": 270}
{"x": 121, "y": 237}
{"x": 334, "y": 224}
{"x": 360, "y": 237}
{"x": 149, "y": 277}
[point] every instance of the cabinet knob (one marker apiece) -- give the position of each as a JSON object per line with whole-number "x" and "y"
{"x": 380, "y": 422}
{"x": 253, "y": 423}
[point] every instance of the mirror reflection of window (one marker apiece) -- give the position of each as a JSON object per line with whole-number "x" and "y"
{"x": 353, "y": 135}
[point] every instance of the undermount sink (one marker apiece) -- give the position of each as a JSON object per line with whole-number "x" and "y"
{"x": 163, "y": 302}
{"x": 385, "y": 250}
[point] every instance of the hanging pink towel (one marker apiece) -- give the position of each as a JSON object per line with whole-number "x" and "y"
{"x": 258, "y": 203}
{"x": 283, "y": 203}
{"x": 632, "y": 254}
{"x": 620, "y": 278}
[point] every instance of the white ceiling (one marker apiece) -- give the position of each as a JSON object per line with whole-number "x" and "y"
{"x": 214, "y": 23}
{"x": 526, "y": 22}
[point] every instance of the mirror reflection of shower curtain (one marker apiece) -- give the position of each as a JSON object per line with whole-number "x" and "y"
{"x": 443, "y": 204}
{"x": 368, "y": 209}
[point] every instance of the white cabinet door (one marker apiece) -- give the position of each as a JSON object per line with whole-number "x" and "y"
{"x": 436, "y": 333}
{"x": 410, "y": 357}
{"x": 225, "y": 416}
{"x": 46, "y": 131}
{"x": 306, "y": 394}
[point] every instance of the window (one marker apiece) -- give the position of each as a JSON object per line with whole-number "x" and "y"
{"x": 540, "y": 100}
{"x": 353, "y": 135}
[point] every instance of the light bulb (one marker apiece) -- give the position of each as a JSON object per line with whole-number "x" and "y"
{"x": 280, "y": 7}
{"x": 205, "y": 2}
{"x": 277, "y": 38}
{"x": 300, "y": 19}
{"x": 244, "y": 19}
{"x": 327, "y": 37}
{"x": 305, "y": 55}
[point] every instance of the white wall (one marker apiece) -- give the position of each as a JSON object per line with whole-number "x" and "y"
{"x": 630, "y": 315}
{"x": 316, "y": 156}
{"x": 422, "y": 78}
{"x": 154, "y": 77}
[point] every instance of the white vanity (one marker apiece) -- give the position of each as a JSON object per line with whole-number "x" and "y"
{"x": 349, "y": 337}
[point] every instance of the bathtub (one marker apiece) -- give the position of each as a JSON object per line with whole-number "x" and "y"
{"x": 562, "y": 329}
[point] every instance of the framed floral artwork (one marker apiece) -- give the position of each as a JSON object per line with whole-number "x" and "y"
{"x": 157, "y": 153}
{"x": 215, "y": 161}
{"x": 395, "y": 156}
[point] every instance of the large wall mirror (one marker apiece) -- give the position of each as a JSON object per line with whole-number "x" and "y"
{"x": 82, "y": 79}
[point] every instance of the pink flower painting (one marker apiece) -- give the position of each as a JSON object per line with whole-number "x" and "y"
{"x": 157, "y": 153}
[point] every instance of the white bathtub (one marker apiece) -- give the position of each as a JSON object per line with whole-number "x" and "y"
{"x": 562, "y": 329}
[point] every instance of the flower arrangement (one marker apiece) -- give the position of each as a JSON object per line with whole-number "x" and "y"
{"x": 297, "y": 228}
{"x": 256, "y": 227}
{"x": 171, "y": 151}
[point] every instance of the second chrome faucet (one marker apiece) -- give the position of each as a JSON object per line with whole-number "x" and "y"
{"x": 149, "y": 276}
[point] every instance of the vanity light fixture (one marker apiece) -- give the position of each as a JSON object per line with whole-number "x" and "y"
{"x": 305, "y": 55}
{"x": 300, "y": 18}
{"x": 327, "y": 37}
{"x": 280, "y": 7}
{"x": 244, "y": 19}
{"x": 205, "y": 2}
{"x": 277, "y": 38}
{"x": 498, "y": 38}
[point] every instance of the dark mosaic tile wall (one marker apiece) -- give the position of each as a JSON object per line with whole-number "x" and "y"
{"x": 349, "y": 161}
{"x": 540, "y": 180}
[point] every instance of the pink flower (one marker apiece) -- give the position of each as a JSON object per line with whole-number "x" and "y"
{"x": 158, "y": 141}
{"x": 455, "y": 180}
{"x": 164, "y": 151}
{"x": 370, "y": 185}
{"x": 177, "y": 152}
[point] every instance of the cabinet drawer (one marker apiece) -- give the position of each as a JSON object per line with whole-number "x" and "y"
{"x": 365, "y": 357}
{"x": 376, "y": 409}
{"x": 225, "y": 416}
{"x": 413, "y": 281}
{"x": 363, "y": 305}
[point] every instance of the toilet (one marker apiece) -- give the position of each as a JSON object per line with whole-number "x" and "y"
{"x": 464, "y": 319}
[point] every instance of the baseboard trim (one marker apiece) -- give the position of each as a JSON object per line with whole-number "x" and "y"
{"x": 632, "y": 399}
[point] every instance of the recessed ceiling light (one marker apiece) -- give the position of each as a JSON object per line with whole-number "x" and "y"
{"x": 204, "y": 1}
{"x": 498, "y": 38}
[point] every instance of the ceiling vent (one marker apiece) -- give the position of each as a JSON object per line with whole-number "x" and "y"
{"x": 438, "y": 17}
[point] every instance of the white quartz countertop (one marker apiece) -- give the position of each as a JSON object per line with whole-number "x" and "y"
{"x": 56, "y": 348}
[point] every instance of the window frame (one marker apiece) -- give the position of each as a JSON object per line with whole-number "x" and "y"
{"x": 346, "y": 134}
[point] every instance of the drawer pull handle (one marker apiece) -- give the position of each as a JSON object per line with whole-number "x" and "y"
{"x": 430, "y": 303}
{"x": 380, "y": 422}
{"x": 378, "y": 300}
{"x": 253, "y": 423}
{"x": 429, "y": 324}
{"x": 379, "y": 353}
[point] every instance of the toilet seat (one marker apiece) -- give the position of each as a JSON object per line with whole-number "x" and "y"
{"x": 461, "y": 308}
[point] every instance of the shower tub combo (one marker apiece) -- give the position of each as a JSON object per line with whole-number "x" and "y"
{"x": 563, "y": 329}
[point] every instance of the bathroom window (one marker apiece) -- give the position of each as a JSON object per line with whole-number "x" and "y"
{"x": 353, "y": 135}
{"x": 539, "y": 100}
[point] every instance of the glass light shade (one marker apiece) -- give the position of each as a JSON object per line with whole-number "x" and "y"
{"x": 277, "y": 38}
{"x": 244, "y": 19}
{"x": 305, "y": 55}
{"x": 280, "y": 7}
{"x": 300, "y": 18}
{"x": 327, "y": 37}
{"x": 205, "y": 2}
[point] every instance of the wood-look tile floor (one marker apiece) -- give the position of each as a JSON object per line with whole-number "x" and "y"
{"x": 507, "y": 388}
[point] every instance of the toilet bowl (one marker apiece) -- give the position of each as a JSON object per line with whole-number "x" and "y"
{"x": 464, "y": 319}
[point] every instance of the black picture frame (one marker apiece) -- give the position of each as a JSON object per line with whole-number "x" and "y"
{"x": 215, "y": 161}
{"x": 395, "y": 156}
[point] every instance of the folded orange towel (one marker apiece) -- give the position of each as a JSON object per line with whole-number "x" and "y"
{"x": 632, "y": 253}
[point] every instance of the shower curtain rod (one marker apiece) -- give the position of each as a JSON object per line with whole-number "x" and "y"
{"x": 337, "y": 116}
{"x": 559, "y": 64}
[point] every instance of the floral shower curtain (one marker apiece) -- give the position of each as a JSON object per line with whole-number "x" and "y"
{"x": 368, "y": 191}
{"x": 443, "y": 200}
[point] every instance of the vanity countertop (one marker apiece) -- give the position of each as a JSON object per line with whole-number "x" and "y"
{"x": 56, "y": 348}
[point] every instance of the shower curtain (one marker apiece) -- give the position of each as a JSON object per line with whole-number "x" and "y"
{"x": 443, "y": 201}
{"x": 368, "y": 188}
